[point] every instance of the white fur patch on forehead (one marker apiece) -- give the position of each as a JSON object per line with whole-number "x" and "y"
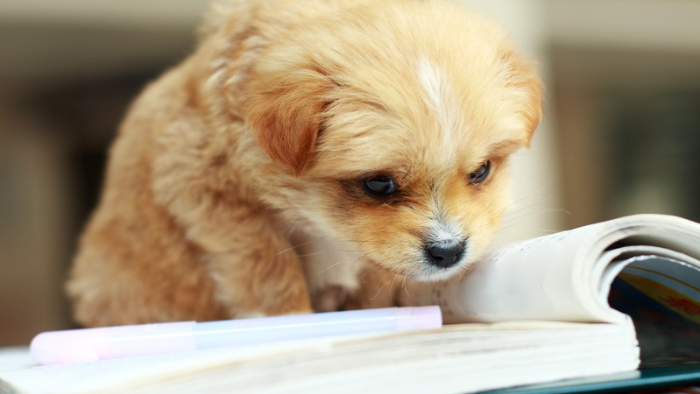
{"x": 439, "y": 97}
{"x": 445, "y": 234}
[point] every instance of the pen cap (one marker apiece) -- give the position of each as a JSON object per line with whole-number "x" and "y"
{"x": 419, "y": 318}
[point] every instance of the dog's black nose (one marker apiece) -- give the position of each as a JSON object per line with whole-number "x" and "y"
{"x": 445, "y": 256}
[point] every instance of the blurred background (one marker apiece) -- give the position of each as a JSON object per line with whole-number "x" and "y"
{"x": 621, "y": 133}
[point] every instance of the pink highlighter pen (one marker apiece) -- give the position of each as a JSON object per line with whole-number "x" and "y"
{"x": 92, "y": 344}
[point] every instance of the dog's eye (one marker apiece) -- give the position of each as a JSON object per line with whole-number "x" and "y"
{"x": 481, "y": 173}
{"x": 379, "y": 186}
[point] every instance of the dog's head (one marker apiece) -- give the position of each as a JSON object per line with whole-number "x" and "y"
{"x": 397, "y": 120}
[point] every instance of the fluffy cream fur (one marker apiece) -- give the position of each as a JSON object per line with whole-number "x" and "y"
{"x": 245, "y": 163}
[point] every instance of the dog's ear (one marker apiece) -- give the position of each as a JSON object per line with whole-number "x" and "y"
{"x": 522, "y": 77}
{"x": 285, "y": 109}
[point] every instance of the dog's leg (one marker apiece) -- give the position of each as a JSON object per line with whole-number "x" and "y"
{"x": 255, "y": 270}
{"x": 332, "y": 271}
{"x": 140, "y": 267}
{"x": 378, "y": 289}
{"x": 247, "y": 253}
{"x": 260, "y": 275}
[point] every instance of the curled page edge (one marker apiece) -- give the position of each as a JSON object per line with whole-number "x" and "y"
{"x": 528, "y": 281}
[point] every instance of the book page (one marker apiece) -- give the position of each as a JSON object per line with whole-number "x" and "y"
{"x": 662, "y": 296}
{"x": 538, "y": 279}
{"x": 121, "y": 374}
{"x": 13, "y": 358}
{"x": 555, "y": 277}
{"x": 458, "y": 358}
{"x": 664, "y": 263}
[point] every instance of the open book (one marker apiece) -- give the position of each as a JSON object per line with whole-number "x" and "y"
{"x": 534, "y": 312}
{"x": 646, "y": 267}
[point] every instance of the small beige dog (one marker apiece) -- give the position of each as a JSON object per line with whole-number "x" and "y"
{"x": 303, "y": 143}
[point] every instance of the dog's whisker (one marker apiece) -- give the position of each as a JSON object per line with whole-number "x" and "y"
{"x": 320, "y": 252}
{"x": 512, "y": 210}
{"x": 372, "y": 298}
{"x": 292, "y": 248}
{"x": 514, "y": 219}
{"x": 519, "y": 207}
{"x": 329, "y": 267}
{"x": 404, "y": 287}
{"x": 392, "y": 284}
{"x": 339, "y": 263}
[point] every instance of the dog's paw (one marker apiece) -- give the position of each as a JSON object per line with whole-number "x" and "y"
{"x": 329, "y": 299}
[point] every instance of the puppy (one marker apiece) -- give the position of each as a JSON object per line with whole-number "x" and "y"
{"x": 303, "y": 143}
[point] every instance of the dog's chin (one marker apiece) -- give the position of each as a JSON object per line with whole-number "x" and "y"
{"x": 429, "y": 273}
{"x": 426, "y": 272}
